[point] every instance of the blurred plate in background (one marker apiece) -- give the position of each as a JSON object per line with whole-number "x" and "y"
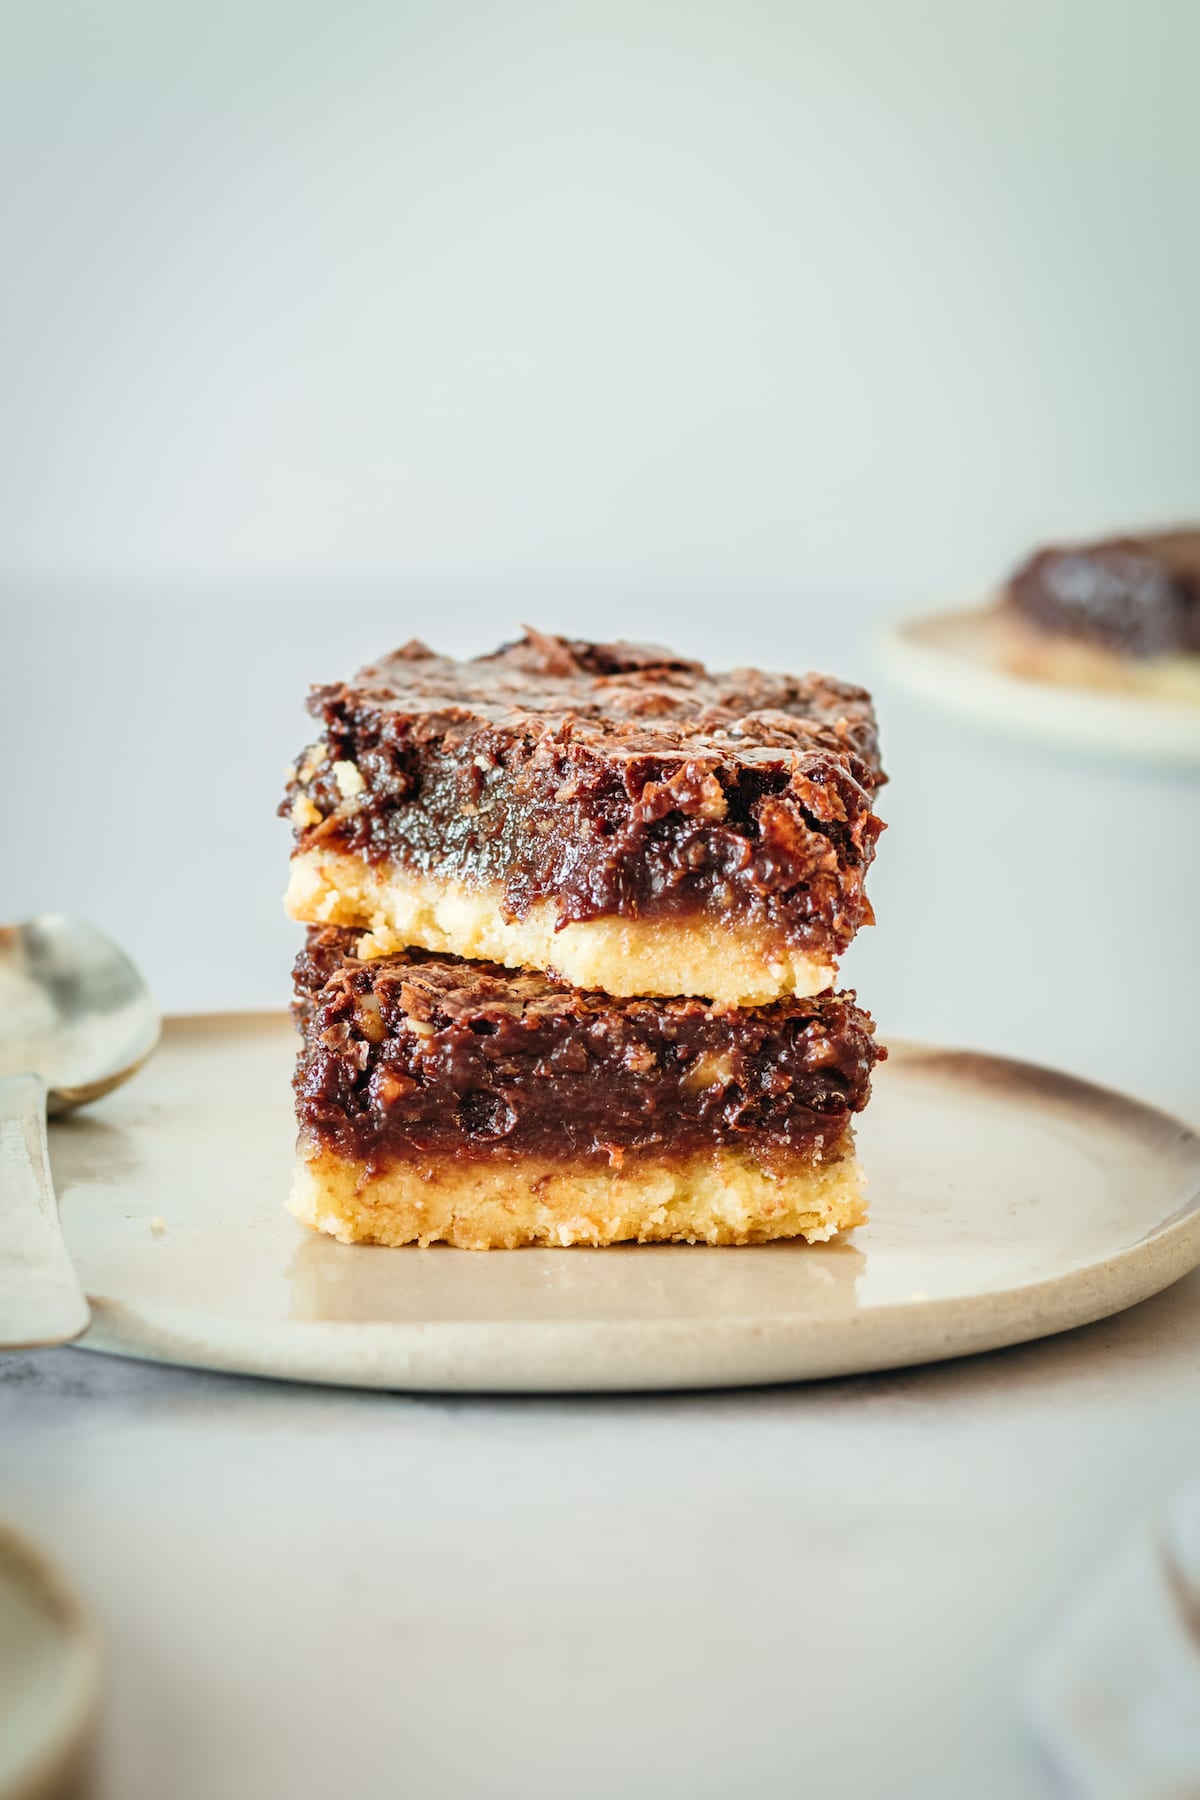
{"x": 951, "y": 659}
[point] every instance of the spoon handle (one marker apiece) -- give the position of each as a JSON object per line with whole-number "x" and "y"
{"x": 41, "y": 1301}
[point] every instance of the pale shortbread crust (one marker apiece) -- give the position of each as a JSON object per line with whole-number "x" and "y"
{"x": 500, "y": 1203}
{"x": 1053, "y": 656}
{"x": 399, "y": 908}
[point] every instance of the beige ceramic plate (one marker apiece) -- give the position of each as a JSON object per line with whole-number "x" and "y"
{"x": 49, "y": 1678}
{"x": 1007, "y": 1202}
{"x": 951, "y": 659}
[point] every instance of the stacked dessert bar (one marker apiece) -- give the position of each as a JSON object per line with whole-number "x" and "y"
{"x": 574, "y": 916}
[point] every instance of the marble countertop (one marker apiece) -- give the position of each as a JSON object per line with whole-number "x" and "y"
{"x": 825, "y": 1589}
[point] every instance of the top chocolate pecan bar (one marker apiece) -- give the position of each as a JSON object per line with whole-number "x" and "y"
{"x": 611, "y": 813}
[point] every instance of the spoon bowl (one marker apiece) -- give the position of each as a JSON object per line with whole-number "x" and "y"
{"x": 73, "y": 1009}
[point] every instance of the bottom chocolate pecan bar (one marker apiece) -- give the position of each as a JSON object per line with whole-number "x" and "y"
{"x": 442, "y": 1100}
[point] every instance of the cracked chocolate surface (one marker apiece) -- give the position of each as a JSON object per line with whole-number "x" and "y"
{"x": 614, "y": 779}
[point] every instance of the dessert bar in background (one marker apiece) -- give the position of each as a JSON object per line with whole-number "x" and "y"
{"x": 455, "y": 1101}
{"x": 609, "y": 813}
{"x": 1123, "y": 613}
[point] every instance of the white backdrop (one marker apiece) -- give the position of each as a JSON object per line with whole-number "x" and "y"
{"x": 776, "y": 292}
{"x": 733, "y": 326}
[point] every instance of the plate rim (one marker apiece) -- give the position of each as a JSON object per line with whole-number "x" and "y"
{"x": 414, "y": 1355}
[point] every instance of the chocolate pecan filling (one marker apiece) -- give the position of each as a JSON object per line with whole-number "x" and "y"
{"x": 415, "y": 1054}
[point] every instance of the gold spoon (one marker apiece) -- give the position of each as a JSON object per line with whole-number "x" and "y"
{"x": 76, "y": 1020}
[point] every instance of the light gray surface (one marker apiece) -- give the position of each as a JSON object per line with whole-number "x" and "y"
{"x": 827, "y": 1590}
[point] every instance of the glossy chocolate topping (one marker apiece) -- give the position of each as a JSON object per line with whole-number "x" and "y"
{"x": 614, "y": 778}
{"x": 414, "y": 1053}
